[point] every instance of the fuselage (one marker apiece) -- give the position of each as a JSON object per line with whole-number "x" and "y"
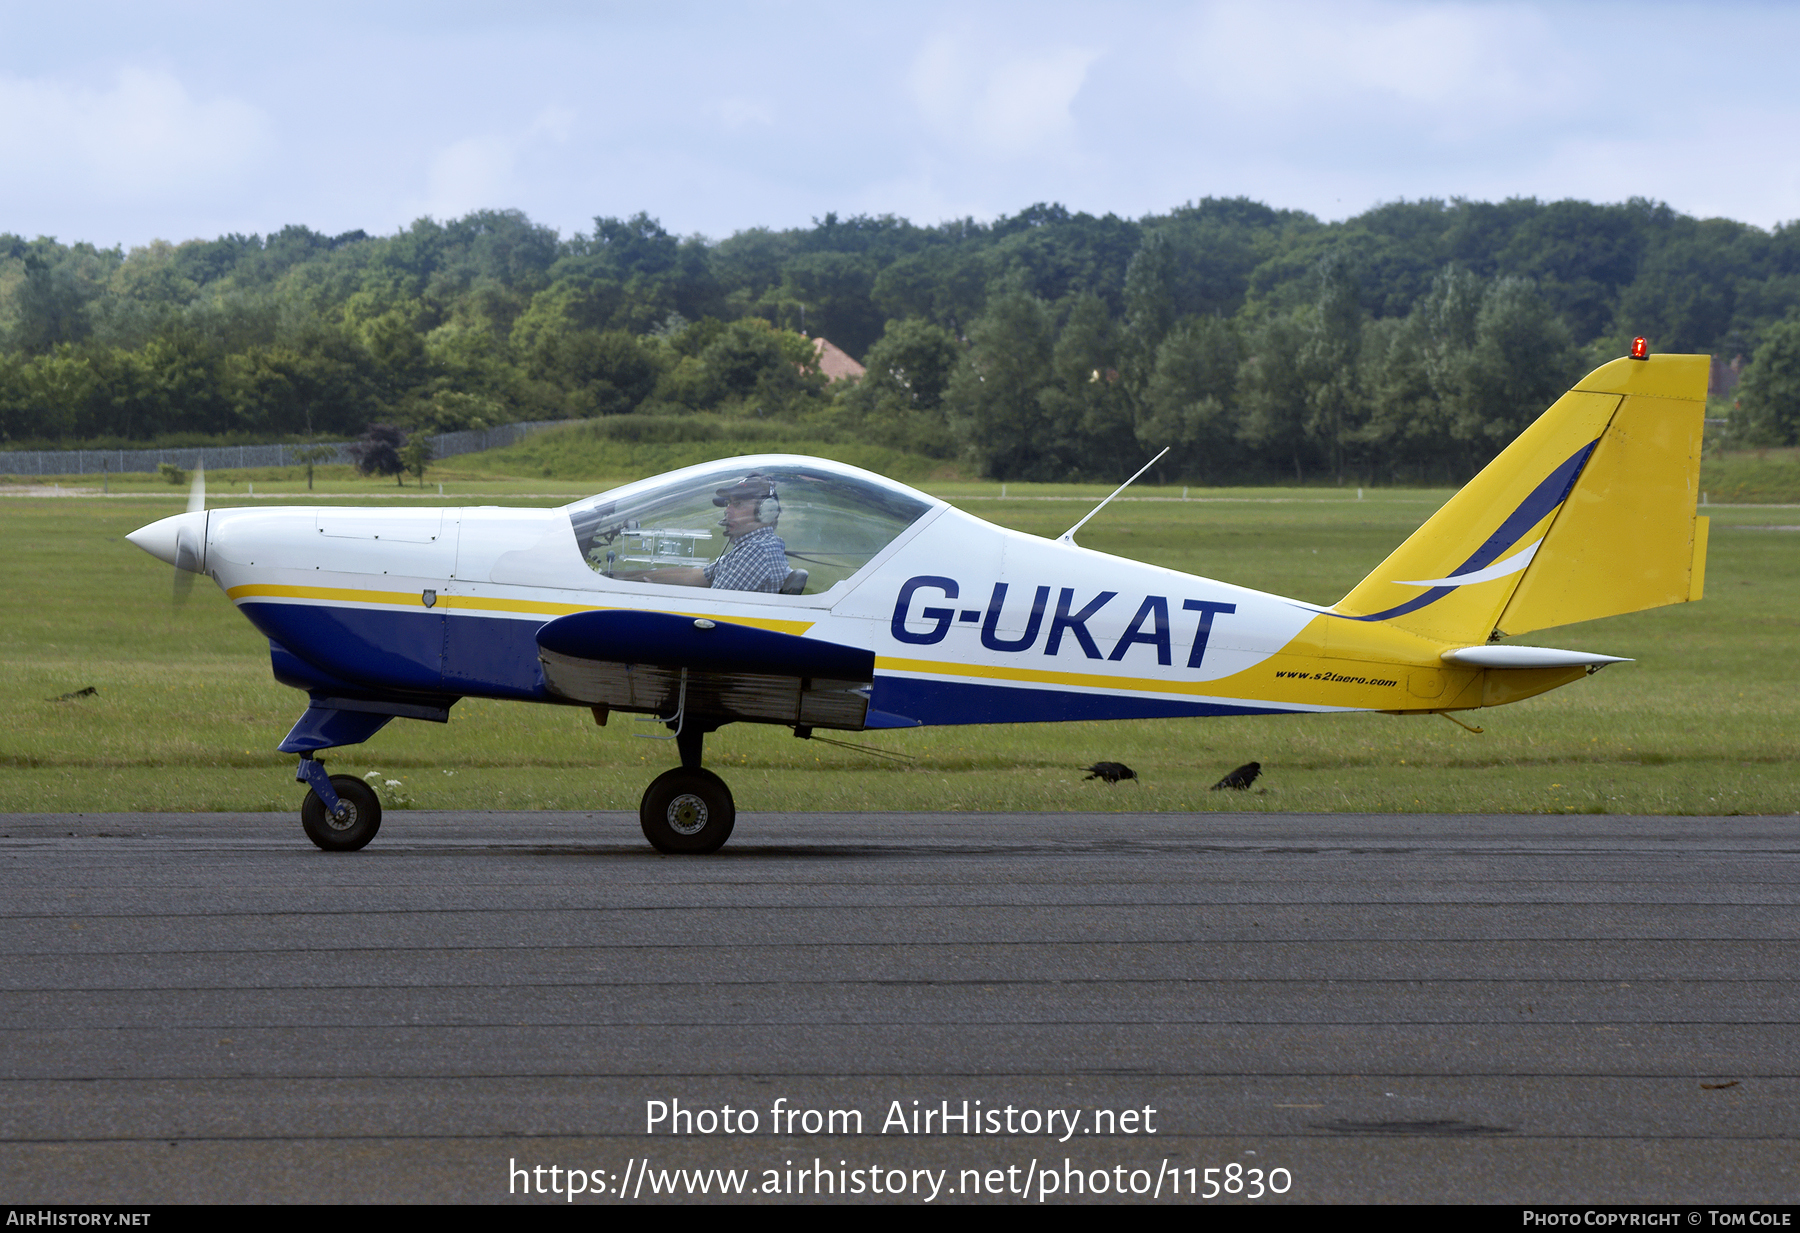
{"x": 970, "y": 622}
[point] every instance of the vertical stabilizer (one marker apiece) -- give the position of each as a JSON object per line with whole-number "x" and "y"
{"x": 1588, "y": 513}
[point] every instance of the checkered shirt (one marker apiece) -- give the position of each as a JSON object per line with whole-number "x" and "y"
{"x": 754, "y": 562}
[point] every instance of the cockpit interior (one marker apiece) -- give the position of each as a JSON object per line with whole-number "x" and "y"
{"x": 832, "y": 522}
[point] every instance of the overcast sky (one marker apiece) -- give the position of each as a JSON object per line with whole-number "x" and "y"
{"x": 120, "y": 123}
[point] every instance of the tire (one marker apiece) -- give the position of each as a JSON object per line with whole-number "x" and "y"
{"x": 351, "y": 832}
{"x": 687, "y": 812}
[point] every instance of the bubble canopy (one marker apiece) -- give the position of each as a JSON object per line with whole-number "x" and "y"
{"x": 833, "y": 519}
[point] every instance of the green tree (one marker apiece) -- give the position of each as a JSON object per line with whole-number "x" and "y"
{"x": 1051, "y": 253}
{"x": 1191, "y": 398}
{"x": 747, "y": 367}
{"x": 1149, "y": 315}
{"x": 1768, "y": 398}
{"x": 396, "y": 347}
{"x": 1474, "y": 363}
{"x": 630, "y": 274}
{"x": 900, "y": 400}
{"x": 417, "y": 454}
{"x": 312, "y": 455}
{"x": 145, "y": 295}
{"x": 1684, "y": 296}
{"x": 68, "y": 388}
{"x": 318, "y": 381}
{"x": 1089, "y": 413}
{"x": 50, "y": 302}
{"x": 944, "y": 284}
{"x": 992, "y": 403}
{"x": 19, "y": 419}
{"x": 1581, "y": 256}
{"x": 606, "y": 372}
{"x": 828, "y": 295}
{"x": 1330, "y": 360}
{"x": 377, "y": 451}
{"x": 459, "y": 411}
{"x": 1273, "y": 393}
{"x": 748, "y": 265}
{"x": 1219, "y": 243}
{"x": 1525, "y": 358}
{"x": 178, "y": 386}
{"x": 1150, "y": 295}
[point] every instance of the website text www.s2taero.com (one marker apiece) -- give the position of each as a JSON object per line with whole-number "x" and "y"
{"x": 1334, "y": 678}
{"x": 1037, "y": 1181}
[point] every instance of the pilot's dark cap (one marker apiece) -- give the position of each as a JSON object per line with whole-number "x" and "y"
{"x": 752, "y": 487}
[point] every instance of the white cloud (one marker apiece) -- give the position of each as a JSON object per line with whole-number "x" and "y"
{"x": 482, "y": 172}
{"x": 1447, "y": 70}
{"x": 742, "y": 113}
{"x": 1010, "y": 105}
{"x": 472, "y": 174}
{"x": 555, "y": 122}
{"x": 1697, "y": 171}
{"x": 145, "y": 134}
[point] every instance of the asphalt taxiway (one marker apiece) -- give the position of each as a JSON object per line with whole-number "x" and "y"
{"x": 1367, "y": 1008}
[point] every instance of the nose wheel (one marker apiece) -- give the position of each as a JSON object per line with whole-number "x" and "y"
{"x": 350, "y": 827}
{"x": 687, "y": 811}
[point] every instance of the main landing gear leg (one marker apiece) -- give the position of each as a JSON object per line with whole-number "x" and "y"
{"x": 688, "y": 742}
{"x": 688, "y": 810}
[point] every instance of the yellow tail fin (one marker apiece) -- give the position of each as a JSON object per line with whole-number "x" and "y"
{"x": 1588, "y": 513}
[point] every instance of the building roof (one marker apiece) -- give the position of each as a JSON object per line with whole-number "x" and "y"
{"x": 834, "y": 361}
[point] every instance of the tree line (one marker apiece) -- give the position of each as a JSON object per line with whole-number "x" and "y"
{"x": 1408, "y": 343}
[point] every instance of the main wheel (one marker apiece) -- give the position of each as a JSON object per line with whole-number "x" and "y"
{"x": 350, "y": 832}
{"x": 688, "y": 812}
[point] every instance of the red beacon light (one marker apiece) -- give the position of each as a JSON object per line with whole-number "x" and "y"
{"x": 1640, "y": 348}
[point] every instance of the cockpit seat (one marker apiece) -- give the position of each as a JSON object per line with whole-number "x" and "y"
{"x": 795, "y": 583}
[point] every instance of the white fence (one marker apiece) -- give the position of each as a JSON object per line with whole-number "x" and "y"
{"x": 217, "y": 457}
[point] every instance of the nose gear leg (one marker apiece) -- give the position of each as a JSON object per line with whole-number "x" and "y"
{"x": 311, "y": 772}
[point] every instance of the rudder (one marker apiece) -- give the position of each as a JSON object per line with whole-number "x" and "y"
{"x": 1627, "y": 538}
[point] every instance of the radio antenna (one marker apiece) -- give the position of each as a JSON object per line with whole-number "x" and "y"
{"x": 1068, "y": 537}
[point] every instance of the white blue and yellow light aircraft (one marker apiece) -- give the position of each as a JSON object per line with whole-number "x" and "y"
{"x": 827, "y": 597}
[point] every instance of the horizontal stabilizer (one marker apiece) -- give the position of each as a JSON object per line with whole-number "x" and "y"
{"x": 626, "y": 636}
{"x": 1527, "y": 657}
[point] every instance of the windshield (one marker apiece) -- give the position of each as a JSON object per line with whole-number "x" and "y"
{"x": 790, "y": 526}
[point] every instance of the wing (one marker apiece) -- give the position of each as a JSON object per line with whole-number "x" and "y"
{"x": 627, "y": 660}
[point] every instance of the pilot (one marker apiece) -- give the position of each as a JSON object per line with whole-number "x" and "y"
{"x": 756, "y": 558}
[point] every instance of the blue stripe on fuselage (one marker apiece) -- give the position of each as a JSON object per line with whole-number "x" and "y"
{"x": 429, "y": 652}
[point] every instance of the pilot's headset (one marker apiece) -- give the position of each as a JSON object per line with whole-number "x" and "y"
{"x": 759, "y": 486}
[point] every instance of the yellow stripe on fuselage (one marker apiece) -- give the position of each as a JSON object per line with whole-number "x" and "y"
{"x": 1079, "y": 680}
{"x": 530, "y": 607}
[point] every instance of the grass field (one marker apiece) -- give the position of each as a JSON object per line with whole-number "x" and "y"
{"x": 1753, "y": 476}
{"x": 186, "y": 715}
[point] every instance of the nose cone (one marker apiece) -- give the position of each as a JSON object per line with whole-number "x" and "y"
{"x": 179, "y": 541}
